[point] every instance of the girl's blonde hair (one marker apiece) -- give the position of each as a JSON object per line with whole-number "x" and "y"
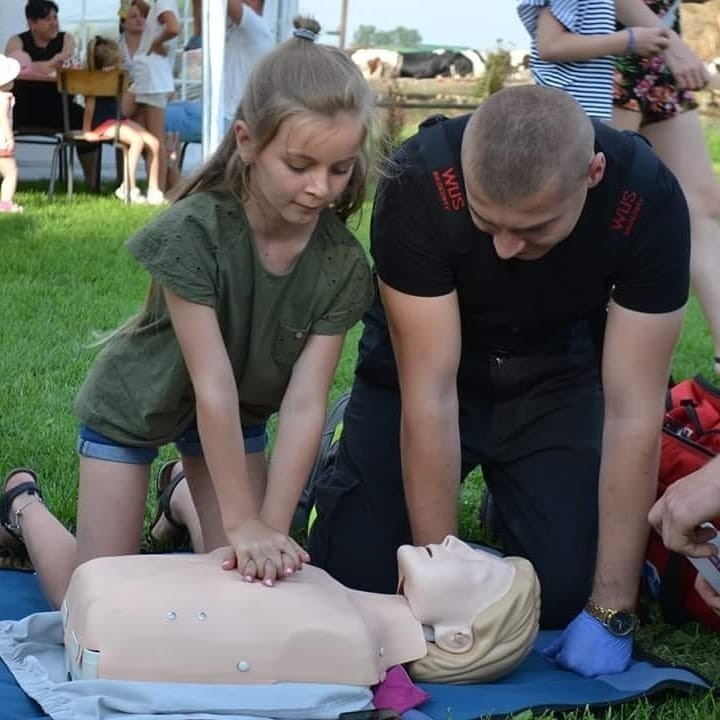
{"x": 102, "y": 53}
{"x": 299, "y": 76}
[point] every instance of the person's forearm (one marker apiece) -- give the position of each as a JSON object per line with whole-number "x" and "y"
{"x": 635, "y": 12}
{"x": 44, "y": 67}
{"x": 300, "y": 426}
{"x": 628, "y": 482}
{"x": 220, "y": 432}
{"x": 567, "y": 46}
{"x": 170, "y": 26}
{"x": 431, "y": 464}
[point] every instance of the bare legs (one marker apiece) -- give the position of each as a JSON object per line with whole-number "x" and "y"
{"x": 681, "y": 145}
{"x": 110, "y": 515}
{"x": 9, "y": 173}
{"x": 153, "y": 120}
{"x": 111, "y": 508}
{"x": 194, "y": 503}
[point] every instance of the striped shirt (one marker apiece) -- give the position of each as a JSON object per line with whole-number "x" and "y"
{"x": 590, "y": 82}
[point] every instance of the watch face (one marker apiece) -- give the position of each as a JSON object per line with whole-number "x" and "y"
{"x": 621, "y": 623}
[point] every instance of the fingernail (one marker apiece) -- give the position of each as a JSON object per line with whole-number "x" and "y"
{"x": 268, "y": 582}
{"x": 248, "y": 578}
{"x": 288, "y": 571}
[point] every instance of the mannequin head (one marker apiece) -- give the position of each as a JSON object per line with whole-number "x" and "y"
{"x": 483, "y": 609}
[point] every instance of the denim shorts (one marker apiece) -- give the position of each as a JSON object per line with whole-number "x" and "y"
{"x": 94, "y": 445}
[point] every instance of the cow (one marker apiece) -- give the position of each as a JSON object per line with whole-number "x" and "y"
{"x": 438, "y": 63}
{"x": 477, "y": 61}
{"x": 377, "y": 62}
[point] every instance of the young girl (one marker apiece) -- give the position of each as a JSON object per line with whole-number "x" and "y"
{"x": 153, "y": 81}
{"x": 655, "y": 97}
{"x": 256, "y": 280}
{"x": 9, "y": 69}
{"x": 572, "y": 47}
{"x": 100, "y": 120}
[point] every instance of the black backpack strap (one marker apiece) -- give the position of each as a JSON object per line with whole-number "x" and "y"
{"x": 628, "y": 206}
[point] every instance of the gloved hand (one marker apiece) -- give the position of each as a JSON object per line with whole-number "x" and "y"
{"x": 588, "y": 648}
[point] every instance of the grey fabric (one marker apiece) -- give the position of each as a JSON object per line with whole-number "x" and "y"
{"x": 33, "y": 650}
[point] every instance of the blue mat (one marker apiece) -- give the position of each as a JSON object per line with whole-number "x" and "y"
{"x": 537, "y": 684}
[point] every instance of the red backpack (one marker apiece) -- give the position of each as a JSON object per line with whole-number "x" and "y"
{"x": 690, "y": 438}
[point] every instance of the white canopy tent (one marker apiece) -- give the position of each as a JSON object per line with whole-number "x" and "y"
{"x": 277, "y": 13}
{"x": 75, "y": 15}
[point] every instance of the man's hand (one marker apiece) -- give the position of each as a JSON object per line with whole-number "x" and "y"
{"x": 707, "y": 593}
{"x": 686, "y": 504}
{"x": 588, "y": 648}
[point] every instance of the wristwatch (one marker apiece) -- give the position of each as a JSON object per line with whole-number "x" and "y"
{"x": 619, "y": 622}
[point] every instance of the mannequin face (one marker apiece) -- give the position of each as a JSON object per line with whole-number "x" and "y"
{"x": 447, "y": 585}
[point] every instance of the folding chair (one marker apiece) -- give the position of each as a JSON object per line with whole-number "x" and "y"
{"x": 98, "y": 84}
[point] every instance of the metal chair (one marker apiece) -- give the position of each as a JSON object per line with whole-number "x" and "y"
{"x": 46, "y": 136}
{"x": 97, "y": 84}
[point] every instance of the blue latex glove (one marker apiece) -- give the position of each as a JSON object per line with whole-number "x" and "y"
{"x": 588, "y": 648}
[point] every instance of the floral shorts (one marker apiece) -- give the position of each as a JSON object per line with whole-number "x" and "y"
{"x": 647, "y": 86}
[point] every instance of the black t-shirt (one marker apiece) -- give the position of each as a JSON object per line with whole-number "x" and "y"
{"x": 631, "y": 243}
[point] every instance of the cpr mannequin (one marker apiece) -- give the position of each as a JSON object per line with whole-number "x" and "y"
{"x": 179, "y": 618}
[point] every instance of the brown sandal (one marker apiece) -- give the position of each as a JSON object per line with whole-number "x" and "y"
{"x": 14, "y": 556}
{"x": 165, "y": 485}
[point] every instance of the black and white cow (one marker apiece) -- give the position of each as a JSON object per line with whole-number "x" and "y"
{"x": 437, "y": 63}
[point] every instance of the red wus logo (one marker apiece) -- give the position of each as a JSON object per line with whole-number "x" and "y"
{"x": 448, "y": 189}
{"x": 627, "y": 212}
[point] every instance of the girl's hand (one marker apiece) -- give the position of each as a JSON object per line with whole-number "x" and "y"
{"x": 258, "y": 551}
{"x": 650, "y": 41}
{"x": 689, "y": 70}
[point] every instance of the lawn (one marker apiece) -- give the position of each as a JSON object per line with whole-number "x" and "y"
{"x": 65, "y": 277}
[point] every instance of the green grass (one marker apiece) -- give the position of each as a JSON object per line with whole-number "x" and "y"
{"x": 65, "y": 276}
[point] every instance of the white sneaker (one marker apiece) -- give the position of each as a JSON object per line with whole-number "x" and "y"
{"x": 156, "y": 197}
{"x": 136, "y": 197}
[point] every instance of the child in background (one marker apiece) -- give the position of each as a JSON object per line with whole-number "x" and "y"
{"x": 100, "y": 121}
{"x": 153, "y": 80}
{"x": 255, "y": 281}
{"x": 9, "y": 70}
{"x": 573, "y": 44}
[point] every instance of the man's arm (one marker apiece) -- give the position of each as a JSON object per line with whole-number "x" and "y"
{"x": 425, "y": 333}
{"x": 636, "y": 363}
{"x": 688, "y": 69}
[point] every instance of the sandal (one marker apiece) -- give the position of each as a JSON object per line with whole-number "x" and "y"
{"x": 165, "y": 485}
{"x": 14, "y": 556}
